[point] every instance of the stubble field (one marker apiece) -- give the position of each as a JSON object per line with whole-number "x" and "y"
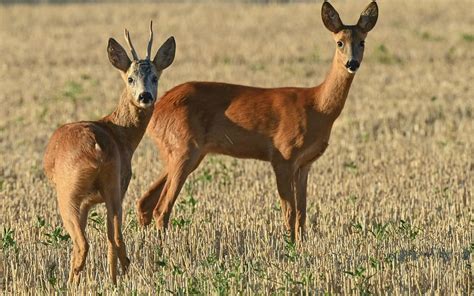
{"x": 389, "y": 203}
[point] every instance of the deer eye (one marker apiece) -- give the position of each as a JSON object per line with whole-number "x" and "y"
{"x": 340, "y": 44}
{"x": 362, "y": 43}
{"x": 154, "y": 79}
{"x": 130, "y": 80}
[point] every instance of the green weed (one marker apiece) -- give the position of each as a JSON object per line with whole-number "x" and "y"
{"x": 408, "y": 230}
{"x": 380, "y": 231}
{"x": 350, "y": 166}
{"x": 468, "y": 37}
{"x": 73, "y": 90}
{"x": 8, "y": 240}
{"x": 97, "y": 221}
{"x": 362, "y": 280}
{"x": 429, "y": 36}
{"x": 290, "y": 249}
{"x": 180, "y": 222}
{"x": 55, "y": 237}
{"x": 384, "y": 56}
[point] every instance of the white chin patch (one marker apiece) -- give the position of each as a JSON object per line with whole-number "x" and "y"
{"x": 350, "y": 71}
{"x": 147, "y": 105}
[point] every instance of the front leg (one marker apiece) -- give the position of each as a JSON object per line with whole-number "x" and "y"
{"x": 286, "y": 189}
{"x": 301, "y": 184}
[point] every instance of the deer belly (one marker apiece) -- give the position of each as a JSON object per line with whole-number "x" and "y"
{"x": 250, "y": 145}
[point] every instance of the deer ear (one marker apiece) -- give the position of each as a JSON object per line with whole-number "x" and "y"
{"x": 117, "y": 55}
{"x": 331, "y": 18}
{"x": 165, "y": 55}
{"x": 368, "y": 18}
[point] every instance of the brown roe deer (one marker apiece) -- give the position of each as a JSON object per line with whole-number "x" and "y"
{"x": 89, "y": 162}
{"x": 288, "y": 127}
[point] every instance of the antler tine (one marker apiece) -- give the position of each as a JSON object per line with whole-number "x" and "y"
{"x": 130, "y": 46}
{"x": 150, "y": 42}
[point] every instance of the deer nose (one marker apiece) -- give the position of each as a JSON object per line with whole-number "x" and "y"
{"x": 352, "y": 65}
{"x": 145, "y": 97}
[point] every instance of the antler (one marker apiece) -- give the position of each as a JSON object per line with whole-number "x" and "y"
{"x": 130, "y": 46}
{"x": 148, "y": 50}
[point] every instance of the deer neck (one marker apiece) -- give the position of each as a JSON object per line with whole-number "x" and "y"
{"x": 332, "y": 93}
{"x": 128, "y": 122}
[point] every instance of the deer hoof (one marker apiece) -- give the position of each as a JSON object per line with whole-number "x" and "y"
{"x": 125, "y": 265}
{"x": 144, "y": 218}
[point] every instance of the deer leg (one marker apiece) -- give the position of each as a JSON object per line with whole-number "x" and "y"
{"x": 116, "y": 246}
{"x": 111, "y": 254}
{"x": 112, "y": 217}
{"x": 301, "y": 181}
{"x": 148, "y": 201}
{"x": 286, "y": 189}
{"x": 71, "y": 217}
{"x": 83, "y": 245}
{"x": 119, "y": 242}
{"x": 177, "y": 174}
{"x": 71, "y": 231}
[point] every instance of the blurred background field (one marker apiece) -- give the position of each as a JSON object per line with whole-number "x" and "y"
{"x": 390, "y": 202}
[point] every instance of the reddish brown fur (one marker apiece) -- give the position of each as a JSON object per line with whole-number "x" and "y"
{"x": 289, "y": 127}
{"x": 89, "y": 162}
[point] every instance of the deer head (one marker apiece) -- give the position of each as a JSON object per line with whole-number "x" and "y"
{"x": 141, "y": 75}
{"x": 350, "y": 40}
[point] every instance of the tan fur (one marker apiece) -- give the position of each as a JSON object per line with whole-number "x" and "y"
{"x": 288, "y": 127}
{"x": 89, "y": 162}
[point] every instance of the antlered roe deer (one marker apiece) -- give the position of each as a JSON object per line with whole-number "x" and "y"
{"x": 289, "y": 127}
{"x": 89, "y": 162}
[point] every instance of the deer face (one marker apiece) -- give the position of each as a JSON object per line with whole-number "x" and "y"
{"x": 350, "y": 48}
{"x": 350, "y": 40}
{"x": 141, "y": 81}
{"x": 141, "y": 76}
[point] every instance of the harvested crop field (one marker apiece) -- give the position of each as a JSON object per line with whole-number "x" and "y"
{"x": 390, "y": 207}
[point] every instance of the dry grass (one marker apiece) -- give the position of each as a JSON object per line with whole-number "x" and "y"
{"x": 390, "y": 203}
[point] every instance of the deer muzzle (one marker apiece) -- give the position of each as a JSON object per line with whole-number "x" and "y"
{"x": 145, "y": 99}
{"x": 352, "y": 66}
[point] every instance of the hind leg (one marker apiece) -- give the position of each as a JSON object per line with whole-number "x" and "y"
{"x": 148, "y": 201}
{"x": 81, "y": 255}
{"x": 116, "y": 244}
{"x": 179, "y": 168}
{"x": 111, "y": 192}
{"x": 72, "y": 215}
{"x": 80, "y": 247}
